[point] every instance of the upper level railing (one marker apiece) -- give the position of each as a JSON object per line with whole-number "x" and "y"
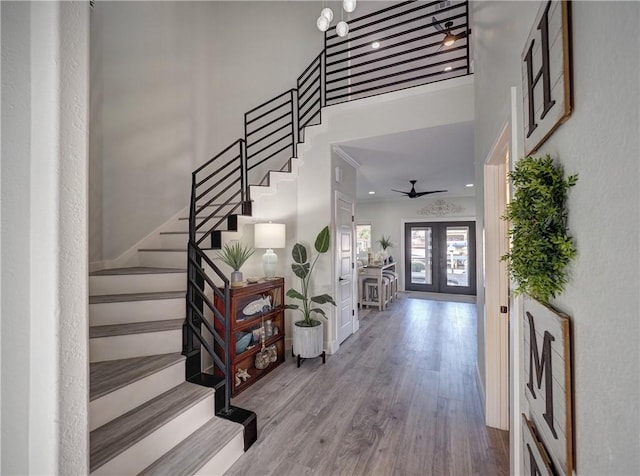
{"x": 397, "y": 47}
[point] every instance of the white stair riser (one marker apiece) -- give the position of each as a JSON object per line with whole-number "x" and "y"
{"x": 174, "y": 240}
{"x": 146, "y": 451}
{"x": 163, "y": 259}
{"x": 136, "y": 311}
{"x": 225, "y": 458}
{"x": 104, "y": 409}
{"x": 137, "y": 283}
{"x": 135, "y": 345}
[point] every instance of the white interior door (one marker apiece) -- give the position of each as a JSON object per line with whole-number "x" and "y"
{"x": 345, "y": 267}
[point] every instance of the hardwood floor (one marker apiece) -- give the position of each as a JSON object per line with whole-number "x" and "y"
{"x": 398, "y": 398}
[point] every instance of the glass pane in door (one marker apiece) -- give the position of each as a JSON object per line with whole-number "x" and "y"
{"x": 421, "y": 255}
{"x": 458, "y": 256}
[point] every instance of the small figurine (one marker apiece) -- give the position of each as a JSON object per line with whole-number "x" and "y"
{"x": 241, "y": 376}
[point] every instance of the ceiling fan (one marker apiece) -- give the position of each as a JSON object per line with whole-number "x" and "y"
{"x": 413, "y": 193}
{"x": 449, "y": 38}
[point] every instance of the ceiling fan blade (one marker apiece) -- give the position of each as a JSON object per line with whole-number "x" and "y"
{"x": 420, "y": 194}
{"x": 461, "y": 35}
{"x": 437, "y": 24}
{"x": 400, "y": 191}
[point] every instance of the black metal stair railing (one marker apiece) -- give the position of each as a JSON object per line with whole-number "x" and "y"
{"x": 409, "y": 52}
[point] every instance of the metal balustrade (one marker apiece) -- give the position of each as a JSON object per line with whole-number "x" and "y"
{"x": 410, "y": 52}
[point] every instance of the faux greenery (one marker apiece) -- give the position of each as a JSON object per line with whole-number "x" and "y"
{"x": 303, "y": 269}
{"x": 235, "y": 254}
{"x": 385, "y": 242}
{"x": 541, "y": 246}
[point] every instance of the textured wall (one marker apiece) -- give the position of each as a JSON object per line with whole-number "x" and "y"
{"x": 600, "y": 142}
{"x": 44, "y": 239}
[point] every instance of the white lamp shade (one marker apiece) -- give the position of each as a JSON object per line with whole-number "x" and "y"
{"x": 349, "y": 5}
{"x": 270, "y": 235}
{"x": 342, "y": 29}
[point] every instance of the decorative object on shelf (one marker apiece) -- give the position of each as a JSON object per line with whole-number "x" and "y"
{"x": 268, "y": 328}
{"x": 262, "y": 357}
{"x": 308, "y": 332}
{"x": 241, "y": 376}
{"x": 235, "y": 254}
{"x": 243, "y": 339}
{"x": 541, "y": 247}
{"x": 253, "y": 280}
{"x": 270, "y": 236}
{"x": 272, "y": 352}
{"x": 262, "y": 304}
{"x": 385, "y": 243}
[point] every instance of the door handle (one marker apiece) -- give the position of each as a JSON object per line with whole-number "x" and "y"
{"x": 340, "y": 279}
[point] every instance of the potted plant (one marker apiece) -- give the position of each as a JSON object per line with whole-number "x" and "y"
{"x": 308, "y": 332}
{"x": 385, "y": 242}
{"x": 235, "y": 254}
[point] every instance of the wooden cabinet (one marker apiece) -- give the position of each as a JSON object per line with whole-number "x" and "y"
{"x": 252, "y": 308}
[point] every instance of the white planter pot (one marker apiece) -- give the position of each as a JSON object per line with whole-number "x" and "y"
{"x": 307, "y": 341}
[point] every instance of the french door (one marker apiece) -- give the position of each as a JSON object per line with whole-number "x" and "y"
{"x": 440, "y": 257}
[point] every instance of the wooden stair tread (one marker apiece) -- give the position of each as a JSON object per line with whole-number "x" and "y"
{"x": 106, "y": 377}
{"x": 107, "y": 298}
{"x": 114, "y": 437}
{"x": 192, "y": 453}
{"x": 112, "y": 330}
{"x": 136, "y": 270}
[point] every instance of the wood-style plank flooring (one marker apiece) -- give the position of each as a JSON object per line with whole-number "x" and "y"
{"x": 398, "y": 398}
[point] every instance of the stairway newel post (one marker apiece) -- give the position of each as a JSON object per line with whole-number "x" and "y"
{"x": 227, "y": 355}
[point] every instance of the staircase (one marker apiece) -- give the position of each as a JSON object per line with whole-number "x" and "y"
{"x": 144, "y": 417}
{"x": 159, "y": 392}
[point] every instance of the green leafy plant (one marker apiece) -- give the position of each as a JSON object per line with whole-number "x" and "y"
{"x": 303, "y": 269}
{"x": 541, "y": 246}
{"x": 235, "y": 254}
{"x": 385, "y": 242}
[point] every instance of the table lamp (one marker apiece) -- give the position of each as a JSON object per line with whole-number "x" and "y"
{"x": 270, "y": 236}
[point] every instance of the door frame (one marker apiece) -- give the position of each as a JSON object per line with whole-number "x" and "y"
{"x": 507, "y": 141}
{"x": 355, "y": 320}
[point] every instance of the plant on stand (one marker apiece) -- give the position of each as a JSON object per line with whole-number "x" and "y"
{"x": 308, "y": 332}
{"x": 235, "y": 254}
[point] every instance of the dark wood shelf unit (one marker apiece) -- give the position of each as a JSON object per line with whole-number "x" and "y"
{"x": 240, "y": 322}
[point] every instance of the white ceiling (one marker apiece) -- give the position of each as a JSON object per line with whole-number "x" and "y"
{"x": 439, "y": 158}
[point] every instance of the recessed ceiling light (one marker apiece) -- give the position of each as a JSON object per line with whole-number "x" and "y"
{"x": 469, "y": 185}
{"x": 375, "y": 45}
{"x": 372, "y": 192}
{"x": 448, "y": 68}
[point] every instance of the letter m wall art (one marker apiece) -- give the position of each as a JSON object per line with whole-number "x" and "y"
{"x": 547, "y": 424}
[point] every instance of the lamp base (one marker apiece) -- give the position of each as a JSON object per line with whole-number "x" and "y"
{"x": 269, "y": 263}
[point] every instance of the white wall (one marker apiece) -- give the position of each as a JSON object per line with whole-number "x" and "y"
{"x": 173, "y": 81}
{"x": 44, "y": 238}
{"x": 387, "y": 217}
{"x": 600, "y": 142}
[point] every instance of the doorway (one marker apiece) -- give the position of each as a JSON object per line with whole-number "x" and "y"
{"x": 439, "y": 257}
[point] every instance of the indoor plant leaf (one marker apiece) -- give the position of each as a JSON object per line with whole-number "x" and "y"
{"x": 322, "y": 240}
{"x": 301, "y": 270}
{"x": 299, "y": 253}
{"x": 292, "y": 293}
{"x": 323, "y": 299}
